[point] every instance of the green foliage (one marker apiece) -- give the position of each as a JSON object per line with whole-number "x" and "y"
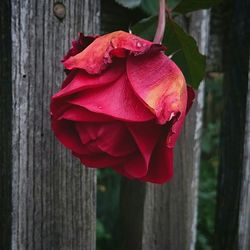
{"x": 210, "y": 138}
{"x": 192, "y": 5}
{"x": 173, "y": 3}
{"x": 207, "y": 188}
{"x": 102, "y": 235}
{"x": 146, "y": 28}
{"x": 151, "y": 7}
{"x": 108, "y": 190}
{"x": 179, "y": 44}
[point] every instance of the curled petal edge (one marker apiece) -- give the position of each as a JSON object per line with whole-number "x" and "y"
{"x": 95, "y": 57}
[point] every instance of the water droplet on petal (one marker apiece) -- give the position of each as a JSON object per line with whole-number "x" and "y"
{"x": 100, "y": 107}
{"x": 139, "y": 44}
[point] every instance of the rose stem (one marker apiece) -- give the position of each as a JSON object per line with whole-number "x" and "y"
{"x": 161, "y": 22}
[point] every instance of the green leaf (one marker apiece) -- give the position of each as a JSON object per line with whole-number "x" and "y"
{"x": 178, "y": 42}
{"x": 186, "y": 6}
{"x": 173, "y": 3}
{"x": 129, "y": 3}
{"x": 146, "y": 28}
{"x": 150, "y": 6}
{"x": 187, "y": 56}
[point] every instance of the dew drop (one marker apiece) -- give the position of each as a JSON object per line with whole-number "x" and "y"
{"x": 139, "y": 44}
{"x": 100, "y": 107}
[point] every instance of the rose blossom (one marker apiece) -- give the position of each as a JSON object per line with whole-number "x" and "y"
{"x": 122, "y": 105}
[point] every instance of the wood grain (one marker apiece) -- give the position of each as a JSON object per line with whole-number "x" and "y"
{"x": 53, "y": 196}
{"x": 214, "y": 55}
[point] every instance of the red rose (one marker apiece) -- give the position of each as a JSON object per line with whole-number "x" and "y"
{"x": 122, "y": 105}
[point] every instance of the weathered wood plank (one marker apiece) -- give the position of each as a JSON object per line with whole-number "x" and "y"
{"x": 214, "y": 55}
{"x": 232, "y": 213}
{"x": 53, "y": 196}
{"x": 169, "y": 211}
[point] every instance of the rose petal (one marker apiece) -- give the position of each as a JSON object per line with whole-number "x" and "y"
{"x": 159, "y": 83}
{"x": 116, "y": 100}
{"x": 112, "y": 138}
{"x": 121, "y": 170}
{"x": 191, "y": 98}
{"x": 146, "y": 136}
{"x": 57, "y": 108}
{"x": 79, "y": 45}
{"x": 67, "y": 135}
{"x": 161, "y": 165}
{"x": 175, "y": 129}
{"x": 79, "y": 114}
{"x": 80, "y": 80}
{"x": 70, "y": 76}
{"x": 136, "y": 166}
{"x": 99, "y": 53}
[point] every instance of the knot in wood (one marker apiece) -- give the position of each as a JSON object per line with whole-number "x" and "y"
{"x": 59, "y": 10}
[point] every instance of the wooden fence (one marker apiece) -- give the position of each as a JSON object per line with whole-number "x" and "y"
{"x": 47, "y": 199}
